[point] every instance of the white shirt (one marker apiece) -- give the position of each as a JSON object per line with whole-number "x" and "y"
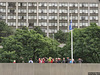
{"x": 30, "y": 61}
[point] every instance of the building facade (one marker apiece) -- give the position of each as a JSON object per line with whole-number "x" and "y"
{"x": 50, "y": 15}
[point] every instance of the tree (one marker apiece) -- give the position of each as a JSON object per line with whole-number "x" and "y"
{"x": 25, "y": 44}
{"x": 86, "y": 44}
{"x": 61, "y": 36}
{"x": 38, "y": 30}
{"x": 4, "y": 30}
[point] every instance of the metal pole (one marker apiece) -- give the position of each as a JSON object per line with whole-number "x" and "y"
{"x": 71, "y": 41}
{"x": 72, "y": 45}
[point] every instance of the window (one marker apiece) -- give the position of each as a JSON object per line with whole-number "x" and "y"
{"x": 93, "y": 11}
{"x": 73, "y": 11}
{"x": 63, "y": 11}
{"x": 2, "y": 4}
{"x": 43, "y": 24}
{"x": 22, "y": 4}
{"x": 63, "y": 4}
{"x": 3, "y": 10}
{"x": 93, "y": 17}
{"x": 52, "y": 17}
{"x": 73, "y": 4}
{"x": 11, "y": 24}
{"x": 53, "y": 4}
{"x": 74, "y": 17}
{"x": 11, "y": 17}
{"x": 83, "y": 24}
{"x": 83, "y": 17}
{"x": 32, "y": 4}
{"x": 21, "y": 24}
{"x": 93, "y": 5}
{"x": 42, "y": 17}
{"x": 32, "y": 17}
{"x": 63, "y": 17}
{"x": 52, "y": 10}
{"x": 62, "y": 24}
{"x": 52, "y": 24}
{"x": 83, "y": 5}
{"x": 0, "y": 16}
{"x": 83, "y": 11}
{"x": 11, "y": 4}
{"x": 42, "y": 4}
{"x": 12, "y": 11}
{"x": 22, "y": 10}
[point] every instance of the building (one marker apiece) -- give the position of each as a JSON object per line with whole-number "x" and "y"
{"x": 50, "y": 15}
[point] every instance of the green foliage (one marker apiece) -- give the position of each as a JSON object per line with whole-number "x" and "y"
{"x": 25, "y": 44}
{"x": 86, "y": 44}
{"x": 38, "y": 30}
{"x": 61, "y": 36}
{"x": 4, "y": 30}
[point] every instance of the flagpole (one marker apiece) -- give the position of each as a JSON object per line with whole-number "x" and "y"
{"x": 71, "y": 41}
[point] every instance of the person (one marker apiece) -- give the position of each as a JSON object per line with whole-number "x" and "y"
{"x": 30, "y": 61}
{"x": 46, "y": 60}
{"x": 68, "y": 60}
{"x": 56, "y": 60}
{"x": 43, "y": 60}
{"x": 72, "y": 60}
{"x": 80, "y": 60}
{"x": 39, "y": 61}
{"x": 63, "y": 60}
{"x": 52, "y": 60}
{"x": 59, "y": 60}
{"x": 14, "y": 61}
{"x": 49, "y": 60}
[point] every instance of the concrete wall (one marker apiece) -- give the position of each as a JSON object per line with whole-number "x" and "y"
{"x": 49, "y": 0}
{"x": 47, "y": 69}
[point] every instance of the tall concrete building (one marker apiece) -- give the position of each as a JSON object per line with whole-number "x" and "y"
{"x": 50, "y": 15}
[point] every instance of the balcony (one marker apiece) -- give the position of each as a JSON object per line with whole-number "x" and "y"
{"x": 94, "y": 21}
{"x": 83, "y": 21}
{"x": 2, "y": 7}
{"x": 52, "y": 7}
{"x": 52, "y": 14}
{"x": 93, "y": 14}
{"x": 21, "y": 20}
{"x": 53, "y": 26}
{"x": 53, "y": 21}
{"x": 42, "y": 14}
{"x": 94, "y": 8}
{"x": 42, "y": 20}
{"x": 2, "y": 13}
{"x": 83, "y": 8}
{"x": 43, "y": 28}
{"x": 32, "y": 14}
{"x": 74, "y": 14}
{"x": 63, "y": 7}
{"x": 11, "y": 5}
{"x": 63, "y": 27}
{"x": 11, "y": 20}
{"x": 32, "y": 20}
{"x": 63, "y": 21}
{"x": 21, "y": 14}
{"x": 21, "y": 7}
{"x": 32, "y": 7}
{"x": 42, "y": 7}
{"x": 73, "y": 8}
{"x": 83, "y": 14}
{"x": 63, "y": 14}
{"x": 3, "y": 20}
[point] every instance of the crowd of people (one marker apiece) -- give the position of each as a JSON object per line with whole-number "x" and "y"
{"x": 56, "y": 60}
